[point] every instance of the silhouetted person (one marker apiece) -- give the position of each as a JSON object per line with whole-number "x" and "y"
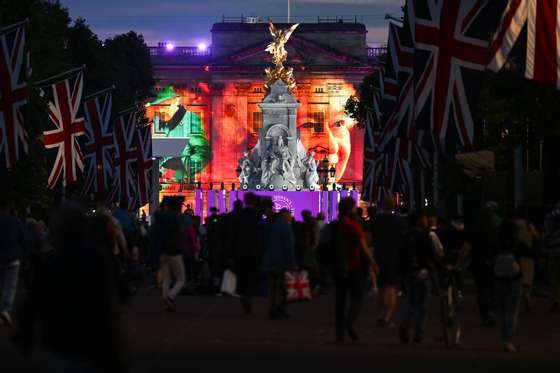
{"x": 214, "y": 237}
{"x": 387, "y": 232}
{"x": 552, "y": 250}
{"x": 507, "y": 272}
{"x": 172, "y": 236}
{"x": 456, "y": 250}
{"x": 247, "y": 249}
{"x": 128, "y": 226}
{"x": 73, "y": 297}
{"x": 306, "y": 240}
{"x": 12, "y": 248}
{"x": 349, "y": 259}
{"x": 279, "y": 257}
{"x": 418, "y": 264}
{"x": 484, "y": 240}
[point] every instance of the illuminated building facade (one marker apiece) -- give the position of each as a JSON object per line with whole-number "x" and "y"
{"x": 217, "y": 89}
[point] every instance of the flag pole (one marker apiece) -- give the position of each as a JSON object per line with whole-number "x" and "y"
{"x": 13, "y": 26}
{"x": 58, "y": 76}
{"x": 435, "y": 180}
{"x": 99, "y": 93}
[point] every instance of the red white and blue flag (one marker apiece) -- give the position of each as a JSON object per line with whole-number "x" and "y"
{"x": 542, "y": 20}
{"x": 14, "y": 65}
{"x": 125, "y": 178}
{"x": 144, "y": 164}
{"x": 373, "y": 126}
{"x": 65, "y": 98}
{"x": 448, "y": 49}
{"x": 99, "y": 147}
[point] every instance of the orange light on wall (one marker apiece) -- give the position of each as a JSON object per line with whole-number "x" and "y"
{"x": 229, "y": 120}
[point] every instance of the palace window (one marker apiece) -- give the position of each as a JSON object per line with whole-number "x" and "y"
{"x": 257, "y": 121}
{"x": 318, "y": 121}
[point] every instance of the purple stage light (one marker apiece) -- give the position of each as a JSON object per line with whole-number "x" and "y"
{"x": 169, "y": 46}
{"x": 202, "y": 47}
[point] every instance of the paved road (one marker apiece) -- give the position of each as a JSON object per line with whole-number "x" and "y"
{"x": 208, "y": 334}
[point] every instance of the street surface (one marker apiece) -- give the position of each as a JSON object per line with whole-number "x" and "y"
{"x": 208, "y": 334}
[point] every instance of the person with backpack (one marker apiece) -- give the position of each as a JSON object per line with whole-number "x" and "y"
{"x": 418, "y": 264}
{"x": 347, "y": 255}
{"x": 508, "y": 276}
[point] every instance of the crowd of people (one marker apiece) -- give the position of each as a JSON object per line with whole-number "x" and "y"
{"x": 110, "y": 254}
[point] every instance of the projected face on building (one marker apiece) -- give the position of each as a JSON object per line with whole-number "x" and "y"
{"x": 221, "y": 122}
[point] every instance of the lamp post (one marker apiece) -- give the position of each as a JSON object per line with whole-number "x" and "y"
{"x": 332, "y": 171}
{"x": 323, "y": 171}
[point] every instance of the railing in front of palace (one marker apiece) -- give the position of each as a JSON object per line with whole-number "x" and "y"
{"x": 376, "y": 52}
{"x": 195, "y": 53}
{"x": 162, "y": 51}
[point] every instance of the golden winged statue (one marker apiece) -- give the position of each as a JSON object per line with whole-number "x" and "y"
{"x": 279, "y": 56}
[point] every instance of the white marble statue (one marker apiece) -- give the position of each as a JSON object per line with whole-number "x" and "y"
{"x": 311, "y": 176}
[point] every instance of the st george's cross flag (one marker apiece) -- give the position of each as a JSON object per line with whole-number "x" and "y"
{"x": 65, "y": 126}
{"x": 99, "y": 146}
{"x": 542, "y": 20}
{"x": 144, "y": 164}
{"x": 14, "y": 67}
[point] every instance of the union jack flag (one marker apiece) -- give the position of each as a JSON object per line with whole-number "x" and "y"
{"x": 396, "y": 140}
{"x": 99, "y": 147}
{"x": 400, "y": 120}
{"x": 369, "y": 157}
{"x": 372, "y": 129}
{"x": 65, "y": 98}
{"x": 377, "y": 97}
{"x": 144, "y": 163}
{"x": 542, "y": 18}
{"x": 398, "y": 172}
{"x": 443, "y": 33}
{"x": 14, "y": 64}
{"x": 125, "y": 179}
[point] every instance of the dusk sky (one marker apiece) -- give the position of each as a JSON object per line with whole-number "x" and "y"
{"x": 188, "y": 22}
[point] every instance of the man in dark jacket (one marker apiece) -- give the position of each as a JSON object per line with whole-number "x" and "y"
{"x": 279, "y": 257}
{"x": 387, "y": 231}
{"x": 247, "y": 249}
{"x": 417, "y": 263}
{"x": 350, "y": 260}
{"x": 11, "y": 252}
{"x": 483, "y": 237}
{"x": 172, "y": 236}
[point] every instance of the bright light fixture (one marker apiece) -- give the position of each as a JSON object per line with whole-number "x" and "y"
{"x": 202, "y": 46}
{"x": 169, "y": 46}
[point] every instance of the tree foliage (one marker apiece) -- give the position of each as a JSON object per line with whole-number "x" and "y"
{"x": 57, "y": 44}
{"x": 357, "y": 106}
